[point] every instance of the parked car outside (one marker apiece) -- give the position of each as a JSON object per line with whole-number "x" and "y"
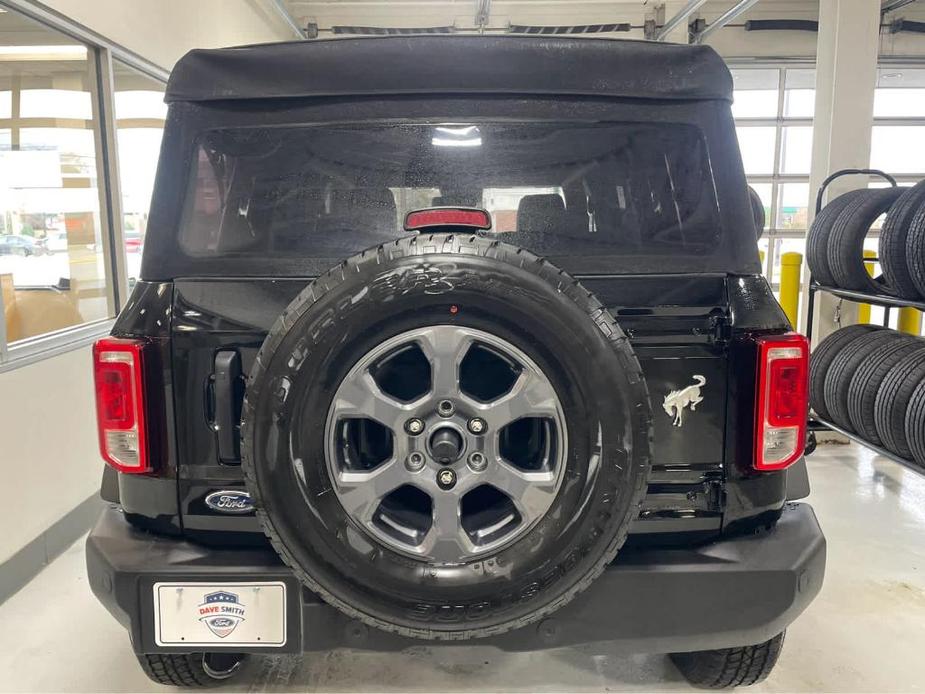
{"x": 12, "y": 244}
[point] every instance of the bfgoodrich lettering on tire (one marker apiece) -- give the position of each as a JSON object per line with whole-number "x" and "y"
{"x": 446, "y": 437}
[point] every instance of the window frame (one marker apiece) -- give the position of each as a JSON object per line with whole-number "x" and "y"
{"x": 100, "y": 54}
{"x": 776, "y": 179}
{"x": 878, "y": 121}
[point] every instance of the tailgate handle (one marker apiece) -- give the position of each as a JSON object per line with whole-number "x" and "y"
{"x": 229, "y": 392}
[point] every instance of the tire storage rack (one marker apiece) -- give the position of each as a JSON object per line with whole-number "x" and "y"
{"x": 867, "y": 382}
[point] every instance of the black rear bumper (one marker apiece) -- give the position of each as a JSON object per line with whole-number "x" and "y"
{"x": 735, "y": 592}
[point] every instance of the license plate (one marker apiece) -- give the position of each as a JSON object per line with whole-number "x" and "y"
{"x": 220, "y": 615}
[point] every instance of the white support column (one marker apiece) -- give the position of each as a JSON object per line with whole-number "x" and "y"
{"x": 846, "y": 71}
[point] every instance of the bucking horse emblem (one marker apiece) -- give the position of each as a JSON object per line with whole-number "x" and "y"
{"x": 677, "y": 400}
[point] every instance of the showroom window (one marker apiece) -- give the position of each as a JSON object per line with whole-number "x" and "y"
{"x": 897, "y": 143}
{"x": 52, "y": 269}
{"x": 773, "y": 110}
{"x": 62, "y": 206}
{"x": 140, "y": 113}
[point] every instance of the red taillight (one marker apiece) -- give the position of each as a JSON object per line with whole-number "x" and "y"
{"x": 782, "y": 400}
{"x": 118, "y": 370}
{"x": 447, "y": 216}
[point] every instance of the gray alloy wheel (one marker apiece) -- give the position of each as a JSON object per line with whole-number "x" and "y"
{"x": 446, "y": 443}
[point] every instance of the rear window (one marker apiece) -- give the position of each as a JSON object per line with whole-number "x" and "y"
{"x": 557, "y": 189}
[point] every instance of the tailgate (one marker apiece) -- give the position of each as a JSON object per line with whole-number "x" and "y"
{"x": 676, "y": 324}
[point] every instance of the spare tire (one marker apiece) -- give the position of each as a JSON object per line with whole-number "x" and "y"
{"x": 846, "y": 240}
{"x": 894, "y": 257}
{"x": 823, "y": 356}
{"x": 867, "y": 379}
{"x": 446, "y": 437}
{"x": 842, "y": 369}
{"x": 893, "y": 400}
{"x": 817, "y": 241}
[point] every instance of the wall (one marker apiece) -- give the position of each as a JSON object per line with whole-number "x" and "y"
{"x": 49, "y": 458}
{"x": 163, "y": 31}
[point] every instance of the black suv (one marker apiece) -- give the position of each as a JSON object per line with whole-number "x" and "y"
{"x": 453, "y": 339}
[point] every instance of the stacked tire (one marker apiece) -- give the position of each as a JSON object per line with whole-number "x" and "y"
{"x": 902, "y": 245}
{"x": 870, "y": 381}
{"x": 835, "y": 244}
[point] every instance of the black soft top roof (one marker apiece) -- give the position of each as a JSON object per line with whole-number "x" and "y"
{"x": 452, "y": 65}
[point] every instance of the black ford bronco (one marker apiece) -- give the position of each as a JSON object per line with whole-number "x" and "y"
{"x": 444, "y": 339}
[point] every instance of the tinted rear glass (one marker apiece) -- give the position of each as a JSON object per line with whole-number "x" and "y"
{"x": 557, "y": 189}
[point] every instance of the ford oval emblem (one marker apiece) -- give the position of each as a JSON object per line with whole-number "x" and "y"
{"x": 230, "y": 501}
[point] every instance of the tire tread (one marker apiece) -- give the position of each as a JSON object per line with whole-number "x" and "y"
{"x": 914, "y": 251}
{"x": 822, "y": 358}
{"x": 841, "y": 372}
{"x": 817, "y": 242}
{"x": 867, "y": 380}
{"x": 730, "y": 667}
{"x": 846, "y": 240}
{"x": 895, "y": 244}
{"x": 893, "y": 400}
{"x": 176, "y": 669}
{"x": 915, "y": 424}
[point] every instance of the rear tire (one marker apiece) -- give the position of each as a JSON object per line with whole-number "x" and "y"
{"x": 730, "y": 667}
{"x": 191, "y": 669}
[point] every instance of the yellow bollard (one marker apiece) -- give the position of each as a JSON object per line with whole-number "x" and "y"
{"x": 910, "y": 321}
{"x": 864, "y": 309}
{"x": 790, "y": 266}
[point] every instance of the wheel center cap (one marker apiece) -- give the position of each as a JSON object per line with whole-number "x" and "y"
{"x": 446, "y": 445}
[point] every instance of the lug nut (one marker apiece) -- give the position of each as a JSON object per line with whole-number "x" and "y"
{"x": 445, "y": 408}
{"x": 477, "y": 426}
{"x": 414, "y": 462}
{"x": 446, "y": 478}
{"x": 414, "y": 426}
{"x": 477, "y": 461}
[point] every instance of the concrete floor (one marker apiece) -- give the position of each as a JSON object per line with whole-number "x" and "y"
{"x": 864, "y": 633}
